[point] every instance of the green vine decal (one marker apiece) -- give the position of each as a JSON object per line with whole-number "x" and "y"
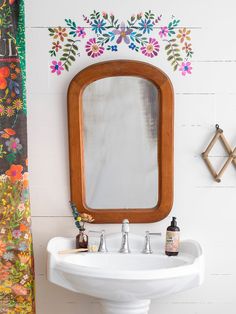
{"x": 69, "y": 53}
{"x": 173, "y": 53}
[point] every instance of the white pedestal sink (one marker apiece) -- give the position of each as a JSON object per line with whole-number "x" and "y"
{"x": 125, "y": 283}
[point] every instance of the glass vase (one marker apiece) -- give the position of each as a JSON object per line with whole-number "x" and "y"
{"x": 82, "y": 240}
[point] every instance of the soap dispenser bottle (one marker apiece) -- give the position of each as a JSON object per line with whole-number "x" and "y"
{"x": 172, "y": 238}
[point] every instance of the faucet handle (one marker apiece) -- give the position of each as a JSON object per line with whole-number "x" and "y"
{"x": 102, "y": 245}
{"x": 147, "y": 246}
{"x": 125, "y": 225}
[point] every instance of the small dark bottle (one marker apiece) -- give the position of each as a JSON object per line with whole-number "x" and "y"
{"x": 172, "y": 238}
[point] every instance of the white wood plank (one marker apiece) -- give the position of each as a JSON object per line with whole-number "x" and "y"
{"x": 205, "y": 209}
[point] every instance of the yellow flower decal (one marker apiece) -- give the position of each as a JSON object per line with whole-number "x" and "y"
{"x": 184, "y": 35}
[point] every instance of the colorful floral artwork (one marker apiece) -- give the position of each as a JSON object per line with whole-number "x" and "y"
{"x": 142, "y": 33}
{"x": 16, "y": 258}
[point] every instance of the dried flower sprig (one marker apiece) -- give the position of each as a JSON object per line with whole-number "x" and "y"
{"x": 80, "y": 219}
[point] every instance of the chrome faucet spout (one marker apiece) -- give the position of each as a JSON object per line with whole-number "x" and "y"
{"x": 125, "y": 237}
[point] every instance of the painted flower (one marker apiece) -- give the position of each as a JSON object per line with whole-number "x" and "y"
{"x": 86, "y": 218}
{"x": 98, "y": 26}
{"x": 56, "y": 46}
{"x": 151, "y": 49}
{"x": 93, "y": 49}
{"x": 16, "y": 233}
{"x": 186, "y": 68}
{"x": 8, "y": 256}
{"x": 114, "y": 48}
{"x": 19, "y": 289}
{"x": 13, "y": 145}
{"x": 23, "y": 227}
{"x": 18, "y": 104}
{"x": 22, "y": 247}
{"x": 123, "y": 34}
{"x": 15, "y": 173}
{"x": 4, "y": 73}
{"x": 80, "y": 32}
{"x": 146, "y": 26}
{"x": 56, "y": 67}
{"x": 184, "y": 35}
{"x": 60, "y": 33}
{"x": 187, "y": 47}
{"x": 2, "y": 110}
{"x": 2, "y": 248}
{"x": 21, "y": 207}
{"x": 132, "y": 46}
{"x": 164, "y": 31}
{"x": 10, "y": 111}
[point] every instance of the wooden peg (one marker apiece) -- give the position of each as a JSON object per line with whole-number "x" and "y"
{"x": 232, "y": 154}
{"x": 227, "y": 163}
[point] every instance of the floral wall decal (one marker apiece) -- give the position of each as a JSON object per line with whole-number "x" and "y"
{"x": 142, "y": 33}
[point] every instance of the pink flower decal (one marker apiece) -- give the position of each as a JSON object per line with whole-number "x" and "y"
{"x": 80, "y": 32}
{"x": 186, "y": 68}
{"x": 151, "y": 49}
{"x": 57, "y": 67}
{"x": 163, "y": 32}
{"x": 93, "y": 49}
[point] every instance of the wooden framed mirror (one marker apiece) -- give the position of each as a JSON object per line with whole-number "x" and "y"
{"x": 120, "y": 119}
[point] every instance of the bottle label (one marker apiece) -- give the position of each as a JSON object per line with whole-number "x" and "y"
{"x": 172, "y": 241}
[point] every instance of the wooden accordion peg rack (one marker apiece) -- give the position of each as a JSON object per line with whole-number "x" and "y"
{"x": 231, "y": 158}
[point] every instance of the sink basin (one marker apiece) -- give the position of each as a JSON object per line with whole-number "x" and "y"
{"x": 125, "y": 283}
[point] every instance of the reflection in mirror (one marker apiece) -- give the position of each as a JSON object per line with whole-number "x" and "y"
{"x": 120, "y": 126}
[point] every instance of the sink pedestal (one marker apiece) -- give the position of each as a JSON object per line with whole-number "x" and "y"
{"x": 135, "y": 307}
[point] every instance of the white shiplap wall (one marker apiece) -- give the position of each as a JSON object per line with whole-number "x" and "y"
{"x": 205, "y": 210}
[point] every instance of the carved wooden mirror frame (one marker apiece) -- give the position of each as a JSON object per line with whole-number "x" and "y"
{"x": 165, "y": 139}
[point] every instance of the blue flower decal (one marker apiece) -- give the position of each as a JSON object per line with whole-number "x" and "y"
{"x": 146, "y": 26}
{"x": 98, "y": 26}
{"x": 132, "y": 46}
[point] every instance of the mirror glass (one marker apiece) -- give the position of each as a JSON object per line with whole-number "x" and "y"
{"x": 120, "y": 141}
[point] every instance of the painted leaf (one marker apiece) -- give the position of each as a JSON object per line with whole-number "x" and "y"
{"x": 11, "y": 158}
{"x": 167, "y": 47}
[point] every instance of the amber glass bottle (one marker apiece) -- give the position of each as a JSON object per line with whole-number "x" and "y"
{"x": 172, "y": 238}
{"x": 82, "y": 240}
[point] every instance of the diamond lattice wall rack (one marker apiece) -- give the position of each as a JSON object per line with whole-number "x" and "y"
{"x": 231, "y": 154}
